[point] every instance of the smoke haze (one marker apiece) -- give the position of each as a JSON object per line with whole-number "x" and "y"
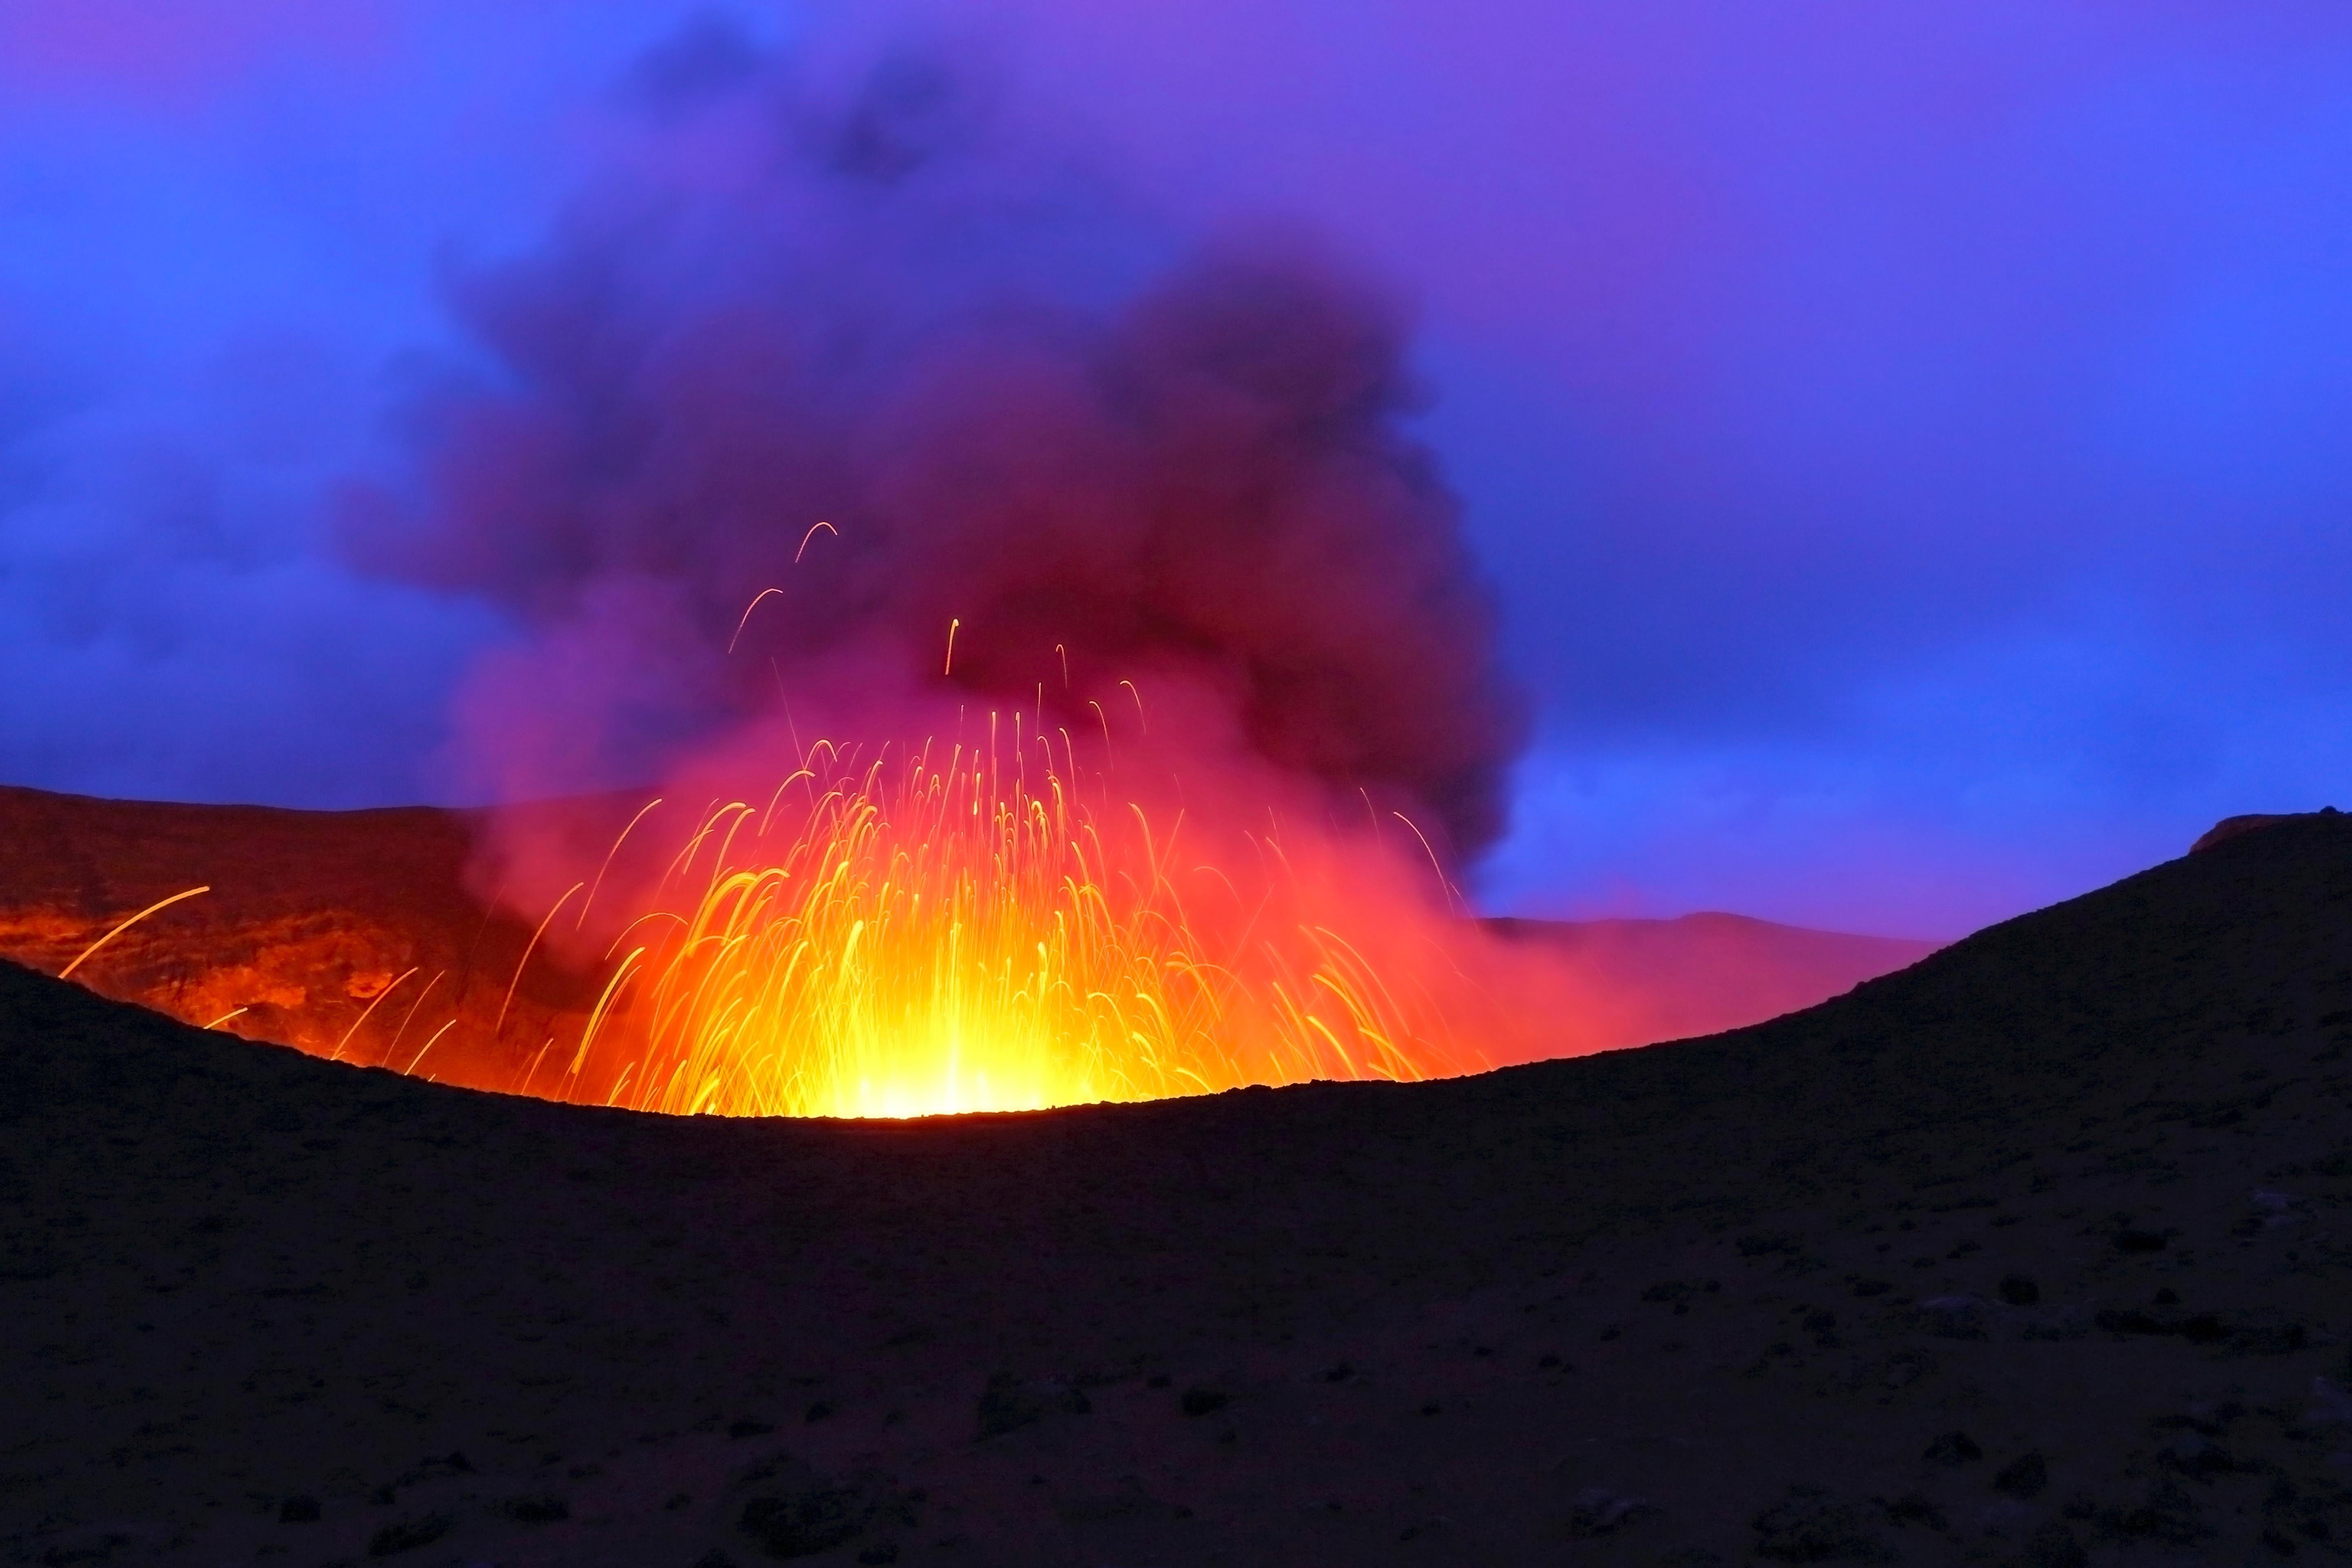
{"x": 824, "y": 355}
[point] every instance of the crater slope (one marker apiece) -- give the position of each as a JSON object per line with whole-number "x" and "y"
{"x": 2035, "y": 1252}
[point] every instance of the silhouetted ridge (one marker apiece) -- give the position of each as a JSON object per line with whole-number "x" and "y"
{"x": 2052, "y": 1218}
{"x": 2185, "y": 968}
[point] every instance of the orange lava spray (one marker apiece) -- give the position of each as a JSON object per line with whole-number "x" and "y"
{"x": 980, "y": 926}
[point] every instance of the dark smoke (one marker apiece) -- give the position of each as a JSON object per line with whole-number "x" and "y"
{"x": 1014, "y": 407}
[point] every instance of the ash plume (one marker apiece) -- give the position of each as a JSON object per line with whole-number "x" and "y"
{"x": 878, "y": 359}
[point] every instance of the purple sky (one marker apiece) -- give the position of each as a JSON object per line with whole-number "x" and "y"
{"x": 1910, "y": 443}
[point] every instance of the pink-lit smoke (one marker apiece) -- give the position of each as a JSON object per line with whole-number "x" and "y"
{"x": 869, "y": 363}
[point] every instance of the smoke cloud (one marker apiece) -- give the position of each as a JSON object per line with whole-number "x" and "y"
{"x": 861, "y": 352}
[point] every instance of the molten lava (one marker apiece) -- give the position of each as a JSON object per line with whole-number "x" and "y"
{"x": 990, "y": 926}
{"x": 374, "y": 937}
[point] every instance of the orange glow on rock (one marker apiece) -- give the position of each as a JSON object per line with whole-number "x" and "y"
{"x": 992, "y": 926}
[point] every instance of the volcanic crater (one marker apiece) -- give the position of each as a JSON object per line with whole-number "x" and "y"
{"x": 2033, "y": 1252}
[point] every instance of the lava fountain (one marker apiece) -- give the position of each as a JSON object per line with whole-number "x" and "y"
{"x": 991, "y": 924}
{"x": 762, "y": 419}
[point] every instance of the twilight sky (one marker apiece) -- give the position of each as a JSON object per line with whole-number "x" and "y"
{"x": 1912, "y": 446}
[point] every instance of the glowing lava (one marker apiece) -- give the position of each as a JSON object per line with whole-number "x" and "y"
{"x": 976, "y": 927}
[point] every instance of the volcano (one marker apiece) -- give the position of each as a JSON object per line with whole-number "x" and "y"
{"x": 2033, "y": 1252}
{"x": 364, "y": 936}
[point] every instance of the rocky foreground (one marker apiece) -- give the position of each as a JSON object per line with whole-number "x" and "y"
{"x": 2037, "y": 1252}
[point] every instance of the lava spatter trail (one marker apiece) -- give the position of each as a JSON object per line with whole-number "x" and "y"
{"x": 983, "y": 926}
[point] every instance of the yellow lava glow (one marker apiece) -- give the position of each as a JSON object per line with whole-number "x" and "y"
{"x": 962, "y": 928}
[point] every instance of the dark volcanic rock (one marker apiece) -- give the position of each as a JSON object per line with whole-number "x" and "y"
{"x": 1914, "y": 1509}
{"x": 1009, "y": 1403}
{"x": 1810, "y": 1526}
{"x": 408, "y": 1534}
{"x": 2229, "y": 827}
{"x": 2053, "y": 1546}
{"x": 2025, "y": 1477}
{"x": 1953, "y": 1449}
{"x": 1599, "y": 1511}
{"x": 804, "y": 1523}
{"x": 408, "y": 1269}
{"x": 2168, "y": 1515}
{"x": 1202, "y": 1401}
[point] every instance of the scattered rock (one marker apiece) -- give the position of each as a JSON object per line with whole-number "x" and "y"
{"x": 1914, "y": 1508}
{"x": 2140, "y": 1240}
{"x": 2019, "y": 1290}
{"x": 2267, "y": 1339}
{"x": 1906, "y": 1367}
{"x": 21, "y": 1264}
{"x": 1953, "y": 1449}
{"x": 1809, "y": 1526}
{"x": 1199, "y": 1401}
{"x": 2202, "y": 1329}
{"x": 2024, "y": 1477}
{"x": 1128, "y": 1500}
{"x": 2315, "y": 1511}
{"x": 2330, "y": 1406}
{"x": 818, "y": 1411}
{"x": 408, "y": 1534}
{"x": 299, "y": 1509}
{"x": 2053, "y": 1546}
{"x": 1008, "y": 1403}
{"x": 1596, "y": 1512}
{"x": 2210, "y": 1418}
{"x": 1954, "y": 1317}
{"x": 2007, "y": 1517}
{"x": 2170, "y": 1516}
{"x": 84, "y": 1546}
{"x": 806, "y": 1522}
{"x": 2196, "y": 1456}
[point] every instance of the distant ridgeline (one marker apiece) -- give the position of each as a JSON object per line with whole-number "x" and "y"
{"x": 2229, "y": 827}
